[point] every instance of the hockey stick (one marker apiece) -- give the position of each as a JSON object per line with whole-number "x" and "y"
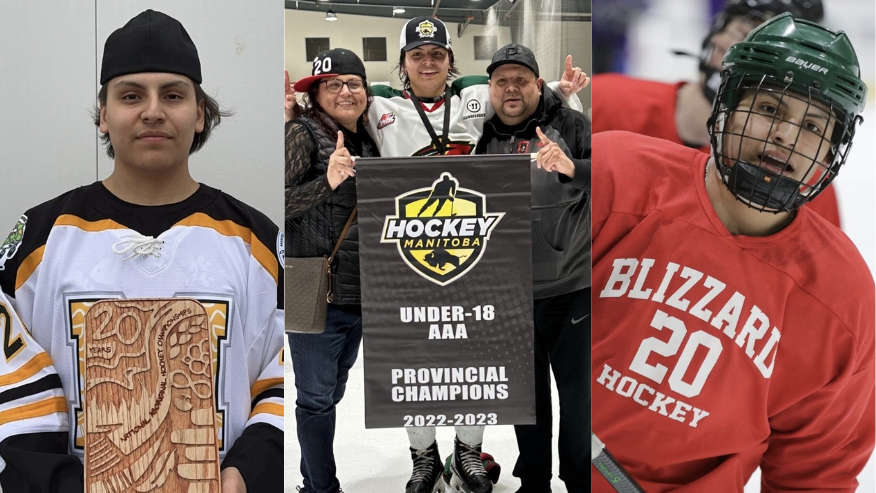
{"x": 611, "y": 469}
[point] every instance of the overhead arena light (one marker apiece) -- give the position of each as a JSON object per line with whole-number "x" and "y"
{"x": 398, "y": 10}
{"x": 331, "y": 15}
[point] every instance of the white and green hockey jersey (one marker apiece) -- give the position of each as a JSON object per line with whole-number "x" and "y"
{"x": 396, "y": 127}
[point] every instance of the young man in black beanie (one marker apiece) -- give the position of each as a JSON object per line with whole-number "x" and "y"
{"x": 148, "y": 230}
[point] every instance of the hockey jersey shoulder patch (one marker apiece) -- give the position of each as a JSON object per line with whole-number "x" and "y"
{"x": 10, "y": 246}
{"x": 385, "y": 120}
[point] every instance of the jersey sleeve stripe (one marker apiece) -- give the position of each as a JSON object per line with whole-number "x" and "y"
{"x": 229, "y": 228}
{"x": 262, "y": 385}
{"x": 268, "y": 394}
{"x": 91, "y": 226}
{"x": 267, "y": 408}
{"x": 28, "y": 266}
{"x": 48, "y": 382}
{"x": 36, "y": 409}
{"x": 27, "y": 370}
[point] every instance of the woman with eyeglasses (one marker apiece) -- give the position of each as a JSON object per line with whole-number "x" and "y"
{"x": 320, "y": 197}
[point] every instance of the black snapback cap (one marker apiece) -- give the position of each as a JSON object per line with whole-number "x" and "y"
{"x": 150, "y": 42}
{"x": 514, "y": 53}
{"x": 338, "y": 61}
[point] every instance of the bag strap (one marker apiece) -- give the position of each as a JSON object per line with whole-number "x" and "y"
{"x": 329, "y": 297}
{"x": 344, "y": 233}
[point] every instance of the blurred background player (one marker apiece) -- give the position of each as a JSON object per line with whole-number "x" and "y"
{"x": 734, "y": 328}
{"x": 678, "y": 111}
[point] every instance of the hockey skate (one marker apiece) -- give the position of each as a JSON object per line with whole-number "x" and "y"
{"x": 467, "y": 470}
{"x": 494, "y": 470}
{"x": 426, "y": 477}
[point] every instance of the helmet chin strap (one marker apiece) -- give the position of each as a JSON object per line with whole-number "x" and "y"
{"x": 758, "y": 187}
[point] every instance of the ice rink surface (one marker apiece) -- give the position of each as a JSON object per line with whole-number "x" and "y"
{"x": 378, "y": 461}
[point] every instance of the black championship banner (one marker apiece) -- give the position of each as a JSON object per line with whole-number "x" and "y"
{"x": 446, "y": 271}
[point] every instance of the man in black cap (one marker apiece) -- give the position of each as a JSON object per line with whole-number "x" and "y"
{"x": 148, "y": 230}
{"x": 530, "y": 119}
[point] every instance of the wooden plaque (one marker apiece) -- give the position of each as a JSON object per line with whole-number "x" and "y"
{"x": 150, "y": 414}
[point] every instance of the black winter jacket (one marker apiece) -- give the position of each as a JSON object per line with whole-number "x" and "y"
{"x": 560, "y": 206}
{"x": 316, "y": 215}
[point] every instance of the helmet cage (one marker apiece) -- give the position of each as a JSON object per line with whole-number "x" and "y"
{"x": 766, "y": 183}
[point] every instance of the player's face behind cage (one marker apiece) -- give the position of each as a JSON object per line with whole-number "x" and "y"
{"x": 784, "y": 139}
{"x": 783, "y": 119}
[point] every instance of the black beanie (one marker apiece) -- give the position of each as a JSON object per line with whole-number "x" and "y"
{"x": 150, "y": 42}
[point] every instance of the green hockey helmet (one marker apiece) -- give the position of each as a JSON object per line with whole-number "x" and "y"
{"x": 793, "y": 60}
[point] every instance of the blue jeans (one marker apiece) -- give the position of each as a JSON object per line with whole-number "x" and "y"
{"x": 321, "y": 363}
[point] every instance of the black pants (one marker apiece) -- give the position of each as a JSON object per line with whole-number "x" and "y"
{"x": 562, "y": 343}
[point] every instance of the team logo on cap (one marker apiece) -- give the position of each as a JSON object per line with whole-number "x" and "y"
{"x": 441, "y": 231}
{"x": 426, "y": 29}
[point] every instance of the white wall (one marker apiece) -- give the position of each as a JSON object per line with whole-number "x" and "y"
{"x": 49, "y": 71}
{"x": 47, "y": 86}
{"x": 348, "y": 31}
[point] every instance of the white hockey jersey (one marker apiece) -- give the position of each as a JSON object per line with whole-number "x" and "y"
{"x": 397, "y": 129}
{"x": 67, "y": 253}
{"x": 30, "y": 390}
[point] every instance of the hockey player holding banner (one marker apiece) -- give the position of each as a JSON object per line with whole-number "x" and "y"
{"x": 733, "y": 328}
{"x": 432, "y": 117}
{"x": 149, "y": 230}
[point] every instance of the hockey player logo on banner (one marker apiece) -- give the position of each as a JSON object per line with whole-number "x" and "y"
{"x": 441, "y": 231}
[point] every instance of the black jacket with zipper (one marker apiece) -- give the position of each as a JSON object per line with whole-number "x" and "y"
{"x": 560, "y": 205}
{"x": 316, "y": 214}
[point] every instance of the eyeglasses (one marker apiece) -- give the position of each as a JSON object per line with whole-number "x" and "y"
{"x": 334, "y": 86}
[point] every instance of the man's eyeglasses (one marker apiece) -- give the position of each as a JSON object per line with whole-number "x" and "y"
{"x": 334, "y": 86}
